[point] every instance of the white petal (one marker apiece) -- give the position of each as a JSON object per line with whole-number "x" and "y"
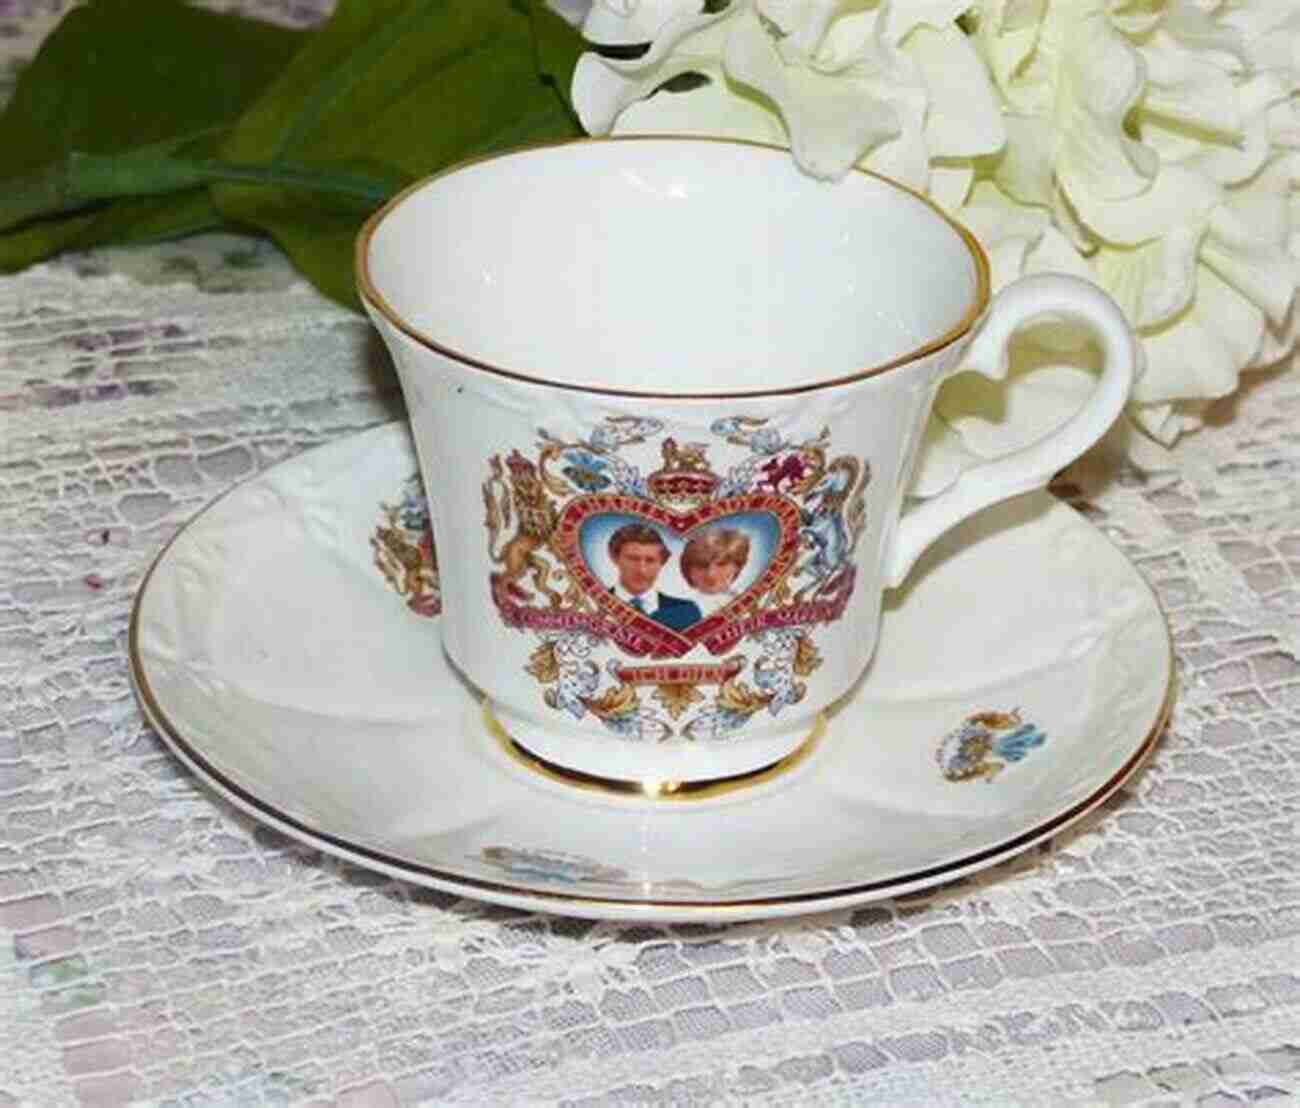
{"x": 1200, "y": 354}
{"x": 1201, "y": 30}
{"x": 831, "y": 120}
{"x": 950, "y": 184}
{"x": 1189, "y": 89}
{"x": 1101, "y": 78}
{"x": 1167, "y": 423}
{"x": 964, "y": 119}
{"x": 1224, "y": 162}
{"x": 1067, "y": 219}
{"x": 1154, "y": 281}
{"x": 1264, "y": 202}
{"x": 713, "y": 109}
{"x": 1006, "y": 231}
{"x": 1177, "y": 197}
{"x": 1258, "y": 268}
{"x": 1136, "y": 17}
{"x": 572, "y": 12}
{"x": 1155, "y": 420}
{"x": 1279, "y": 341}
{"x": 904, "y": 16}
{"x": 1054, "y": 253}
{"x": 1284, "y": 124}
{"x": 603, "y": 87}
{"x": 1271, "y": 36}
{"x": 802, "y": 23}
{"x": 600, "y": 92}
{"x": 635, "y": 22}
{"x": 905, "y": 158}
{"x": 858, "y": 42}
{"x": 1007, "y": 33}
{"x": 1026, "y": 169}
{"x": 701, "y": 35}
{"x": 1233, "y": 163}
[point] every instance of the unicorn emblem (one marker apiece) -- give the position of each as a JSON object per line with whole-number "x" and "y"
{"x": 832, "y": 519}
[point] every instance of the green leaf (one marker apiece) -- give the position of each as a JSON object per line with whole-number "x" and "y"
{"x": 558, "y": 45}
{"x": 145, "y": 119}
{"x": 401, "y": 87}
{"x": 130, "y": 220}
{"x": 117, "y": 102}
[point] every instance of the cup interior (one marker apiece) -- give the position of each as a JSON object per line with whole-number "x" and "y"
{"x": 670, "y": 266}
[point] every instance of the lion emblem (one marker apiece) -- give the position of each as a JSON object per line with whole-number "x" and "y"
{"x": 522, "y": 496}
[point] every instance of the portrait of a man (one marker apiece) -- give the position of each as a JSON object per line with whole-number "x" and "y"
{"x": 639, "y": 554}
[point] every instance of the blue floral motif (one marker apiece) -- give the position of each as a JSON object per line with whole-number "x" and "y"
{"x": 587, "y": 470}
{"x": 985, "y": 744}
{"x": 1021, "y": 741}
{"x": 414, "y": 507}
{"x": 551, "y": 865}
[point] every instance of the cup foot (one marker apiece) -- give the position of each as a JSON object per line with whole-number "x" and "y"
{"x": 650, "y": 772}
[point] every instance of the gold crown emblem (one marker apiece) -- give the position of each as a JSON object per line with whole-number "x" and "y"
{"x": 685, "y": 476}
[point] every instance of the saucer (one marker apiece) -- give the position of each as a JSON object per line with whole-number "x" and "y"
{"x": 285, "y": 646}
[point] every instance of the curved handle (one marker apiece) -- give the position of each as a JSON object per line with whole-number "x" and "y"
{"x": 1036, "y": 464}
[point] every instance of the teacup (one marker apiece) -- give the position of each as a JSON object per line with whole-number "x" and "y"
{"x": 667, "y": 396}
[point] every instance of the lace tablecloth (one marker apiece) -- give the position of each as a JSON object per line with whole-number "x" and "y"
{"x": 156, "y": 945}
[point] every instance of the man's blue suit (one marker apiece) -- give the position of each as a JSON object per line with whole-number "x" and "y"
{"x": 675, "y": 613}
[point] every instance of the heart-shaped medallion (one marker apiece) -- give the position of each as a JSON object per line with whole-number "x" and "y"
{"x": 717, "y": 572}
{"x": 665, "y": 581}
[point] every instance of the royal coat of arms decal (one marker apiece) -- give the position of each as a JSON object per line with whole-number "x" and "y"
{"x": 403, "y": 550}
{"x": 700, "y": 590}
{"x": 985, "y": 744}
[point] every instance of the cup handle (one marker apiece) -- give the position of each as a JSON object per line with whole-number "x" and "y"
{"x": 1034, "y": 465}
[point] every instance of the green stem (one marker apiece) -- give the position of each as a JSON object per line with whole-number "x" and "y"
{"x": 84, "y": 179}
{"x": 338, "y": 184}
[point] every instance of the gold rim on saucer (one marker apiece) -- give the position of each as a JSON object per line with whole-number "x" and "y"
{"x": 469, "y": 886}
{"x": 460, "y": 883}
{"x": 465, "y": 885}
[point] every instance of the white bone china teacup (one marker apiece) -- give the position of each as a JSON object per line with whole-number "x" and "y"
{"x": 667, "y": 396}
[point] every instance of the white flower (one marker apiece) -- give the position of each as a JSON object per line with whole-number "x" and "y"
{"x": 893, "y": 85}
{"x": 1151, "y": 145}
{"x": 1149, "y": 131}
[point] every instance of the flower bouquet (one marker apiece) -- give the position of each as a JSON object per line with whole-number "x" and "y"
{"x": 1149, "y": 145}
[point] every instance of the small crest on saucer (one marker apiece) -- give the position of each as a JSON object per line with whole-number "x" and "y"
{"x": 551, "y": 865}
{"x": 985, "y": 744}
{"x": 402, "y": 546}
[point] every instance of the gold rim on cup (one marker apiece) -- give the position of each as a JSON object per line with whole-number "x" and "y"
{"x": 366, "y": 287}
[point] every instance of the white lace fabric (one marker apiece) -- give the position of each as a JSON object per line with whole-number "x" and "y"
{"x": 158, "y": 946}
